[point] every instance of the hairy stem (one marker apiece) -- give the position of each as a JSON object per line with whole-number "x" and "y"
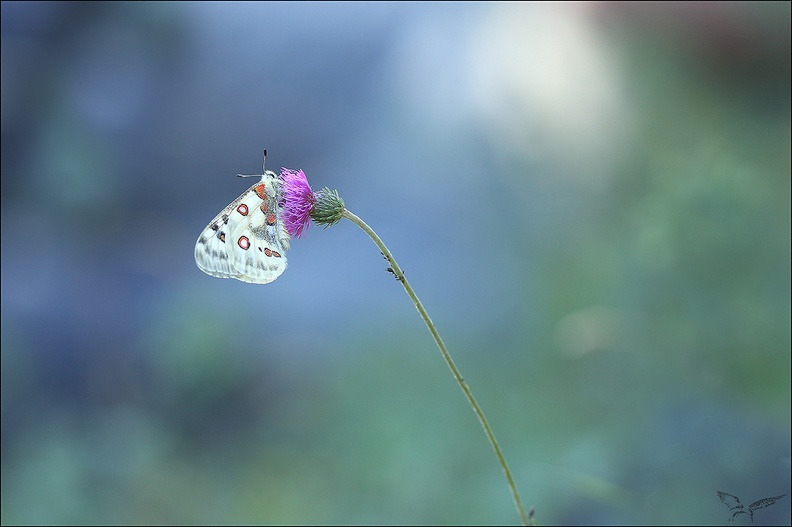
{"x": 454, "y": 370}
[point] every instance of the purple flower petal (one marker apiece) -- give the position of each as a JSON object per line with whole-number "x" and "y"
{"x": 298, "y": 201}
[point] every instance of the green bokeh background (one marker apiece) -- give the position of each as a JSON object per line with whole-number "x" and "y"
{"x": 592, "y": 201}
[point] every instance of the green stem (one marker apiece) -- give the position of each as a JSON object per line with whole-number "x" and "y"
{"x": 454, "y": 370}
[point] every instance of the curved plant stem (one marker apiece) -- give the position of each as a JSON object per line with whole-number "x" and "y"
{"x": 454, "y": 370}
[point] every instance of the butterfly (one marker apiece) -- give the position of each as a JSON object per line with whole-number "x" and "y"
{"x": 247, "y": 240}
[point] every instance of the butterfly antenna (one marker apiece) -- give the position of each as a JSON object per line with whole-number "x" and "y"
{"x": 263, "y": 166}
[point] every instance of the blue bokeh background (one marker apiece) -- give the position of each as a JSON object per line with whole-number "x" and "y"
{"x": 592, "y": 201}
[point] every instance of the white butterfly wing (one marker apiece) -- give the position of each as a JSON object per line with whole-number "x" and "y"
{"x": 247, "y": 240}
{"x": 260, "y": 245}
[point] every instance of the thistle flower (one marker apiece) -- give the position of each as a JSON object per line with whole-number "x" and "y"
{"x": 301, "y": 204}
{"x": 298, "y": 201}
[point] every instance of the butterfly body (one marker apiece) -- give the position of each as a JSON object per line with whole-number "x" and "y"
{"x": 247, "y": 240}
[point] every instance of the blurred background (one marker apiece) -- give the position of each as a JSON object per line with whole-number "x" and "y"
{"x": 591, "y": 199}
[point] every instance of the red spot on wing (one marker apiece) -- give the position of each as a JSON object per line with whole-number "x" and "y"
{"x": 271, "y": 219}
{"x": 267, "y": 251}
{"x": 244, "y": 242}
{"x": 264, "y": 207}
{"x": 243, "y": 209}
{"x": 261, "y": 191}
